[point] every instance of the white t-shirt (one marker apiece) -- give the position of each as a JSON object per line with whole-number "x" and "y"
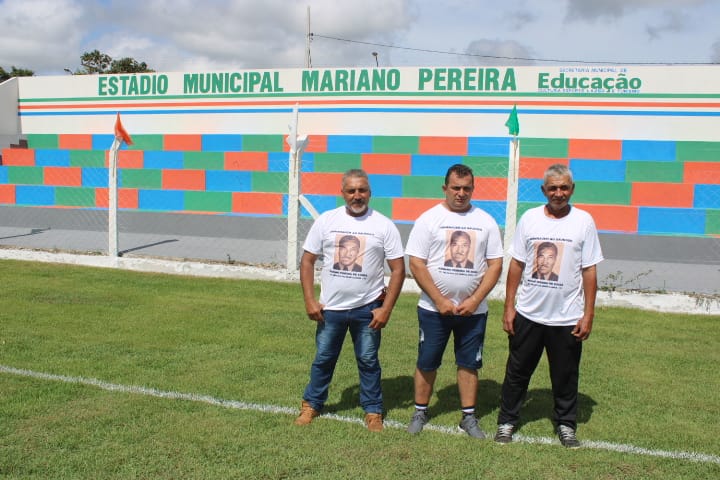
{"x": 554, "y": 252}
{"x": 455, "y": 247}
{"x": 354, "y": 250}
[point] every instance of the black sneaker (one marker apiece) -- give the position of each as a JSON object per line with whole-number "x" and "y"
{"x": 418, "y": 421}
{"x": 567, "y": 437}
{"x": 504, "y": 433}
{"x": 470, "y": 425}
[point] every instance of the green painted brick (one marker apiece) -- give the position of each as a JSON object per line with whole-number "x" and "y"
{"x": 669, "y": 172}
{"x": 42, "y": 140}
{"x": 337, "y": 162}
{"x": 544, "y": 147}
{"x": 610, "y": 193}
{"x": 395, "y": 144}
{"x": 140, "y": 178}
{"x": 25, "y": 175}
{"x": 146, "y": 142}
{"x": 87, "y": 158}
{"x": 422, "y": 186}
{"x": 487, "y": 166}
{"x": 262, "y": 143}
{"x": 204, "y": 160}
{"x": 382, "y": 205}
{"x": 208, "y": 201}
{"x": 698, "y": 151}
{"x": 712, "y": 222}
{"x": 269, "y": 182}
{"x": 75, "y": 196}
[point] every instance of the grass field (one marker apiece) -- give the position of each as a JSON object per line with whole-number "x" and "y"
{"x": 117, "y": 374}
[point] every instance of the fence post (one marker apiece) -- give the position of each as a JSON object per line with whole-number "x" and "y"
{"x": 113, "y": 199}
{"x": 512, "y": 199}
{"x": 297, "y": 144}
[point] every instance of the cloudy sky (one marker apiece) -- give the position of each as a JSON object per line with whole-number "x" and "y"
{"x": 47, "y": 36}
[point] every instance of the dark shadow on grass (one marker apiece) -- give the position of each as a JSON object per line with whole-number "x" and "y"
{"x": 539, "y": 405}
{"x": 397, "y": 394}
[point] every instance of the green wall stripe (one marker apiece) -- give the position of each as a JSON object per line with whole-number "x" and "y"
{"x": 395, "y": 144}
{"x": 204, "y": 160}
{"x": 25, "y": 175}
{"x": 140, "y": 178}
{"x": 43, "y": 140}
{"x": 275, "y": 182}
{"x": 544, "y": 147}
{"x": 609, "y": 193}
{"x": 262, "y": 143}
{"x": 671, "y": 172}
{"x": 75, "y": 196}
{"x": 698, "y": 151}
{"x": 337, "y": 162}
{"x": 208, "y": 201}
{"x": 487, "y": 166}
{"x": 422, "y": 186}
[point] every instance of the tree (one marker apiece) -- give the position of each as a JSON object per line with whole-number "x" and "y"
{"x": 15, "y": 72}
{"x": 97, "y": 62}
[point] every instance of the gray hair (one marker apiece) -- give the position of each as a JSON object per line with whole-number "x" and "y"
{"x": 354, "y": 173}
{"x": 558, "y": 170}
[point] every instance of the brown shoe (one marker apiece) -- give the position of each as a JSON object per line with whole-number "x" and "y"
{"x": 307, "y": 413}
{"x": 374, "y": 422}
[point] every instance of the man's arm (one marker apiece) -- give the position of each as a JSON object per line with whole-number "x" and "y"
{"x": 418, "y": 267}
{"x": 397, "y": 276}
{"x": 512, "y": 283}
{"x": 307, "y": 281}
{"x": 488, "y": 282}
{"x": 584, "y": 326}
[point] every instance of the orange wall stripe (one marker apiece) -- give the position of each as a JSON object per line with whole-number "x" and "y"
{"x": 253, "y": 161}
{"x": 676, "y": 195}
{"x": 183, "y": 179}
{"x": 443, "y": 146}
{"x": 321, "y": 183}
{"x": 700, "y": 172}
{"x": 181, "y": 142}
{"x": 7, "y": 194}
{"x": 62, "y": 176}
{"x": 490, "y": 188}
{"x": 127, "y": 198}
{"x": 18, "y": 157}
{"x": 595, "y": 149}
{"x": 534, "y": 167}
{"x": 74, "y": 141}
{"x": 257, "y": 203}
{"x": 409, "y": 209}
{"x": 387, "y": 163}
{"x": 613, "y": 218}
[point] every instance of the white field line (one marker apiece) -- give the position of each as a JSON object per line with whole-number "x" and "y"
{"x": 237, "y": 405}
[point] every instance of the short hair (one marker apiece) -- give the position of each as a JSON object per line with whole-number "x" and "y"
{"x": 457, "y": 234}
{"x": 460, "y": 170}
{"x": 557, "y": 170}
{"x": 546, "y": 245}
{"x": 349, "y": 239}
{"x": 356, "y": 173}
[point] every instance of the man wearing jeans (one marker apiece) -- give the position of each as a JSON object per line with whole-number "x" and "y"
{"x": 353, "y": 300}
{"x": 453, "y": 299}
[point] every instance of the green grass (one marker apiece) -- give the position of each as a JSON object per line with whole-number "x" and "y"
{"x": 648, "y": 380}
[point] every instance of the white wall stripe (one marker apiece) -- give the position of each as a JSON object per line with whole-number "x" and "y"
{"x": 238, "y": 405}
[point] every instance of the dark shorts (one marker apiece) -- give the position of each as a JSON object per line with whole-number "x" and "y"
{"x": 435, "y": 329}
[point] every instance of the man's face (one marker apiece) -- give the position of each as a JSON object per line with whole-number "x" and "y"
{"x": 545, "y": 261}
{"x": 459, "y": 249}
{"x": 458, "y": 192}
{"x": 558, "y": 191}
{"x": 348, "y": 253}
{"x": 356, "y": 192}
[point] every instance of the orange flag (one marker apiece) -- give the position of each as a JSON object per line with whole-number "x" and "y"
{"x": 120, "y": 131}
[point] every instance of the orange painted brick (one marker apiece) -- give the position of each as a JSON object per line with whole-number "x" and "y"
{"x": 409, "y": 209}
{"x": 182, "y": 142}
{"x": 127, "y": 198}
{"x": 595, "y": 149}
{"x": 676, "y": 195}
{"x": 443, "y": 146}
{"x": 321, "y": 183}
{"x": 127, "y": 159}
{"x": 7, "y": 194}
{"x": 387, "y": 163}
{"x": 65, "y": 176}
{"x": 489, "y": 188}
{"x": 535, "y": 167}
{"x": 613, "y": 218}
{"x": 183, "y": 179}
{"x": 700, "y": 172}
{"x": 257, "y": 203}
{"x": 18, "y": 157}
{"x": 249, "y": 161}
{"x": 316, "y": 144}
{"x": 75, "y": 141}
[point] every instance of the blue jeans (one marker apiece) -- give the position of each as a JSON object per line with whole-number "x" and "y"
{"x": 329, "y": 338}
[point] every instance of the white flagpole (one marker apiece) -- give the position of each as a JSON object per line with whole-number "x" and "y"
{"x": 512, "y": 198}
{"x": 297, "y": 144}
{"x": 113, "y": 198}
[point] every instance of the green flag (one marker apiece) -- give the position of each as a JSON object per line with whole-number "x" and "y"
{"x": 512, "y": 122}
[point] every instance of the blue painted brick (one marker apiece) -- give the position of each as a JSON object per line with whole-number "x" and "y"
{"x": 101, "y": 141}
{"x": 163, "y": 159}
{"x": 707, "y": 196}
{"x": 386, "y": 185}
{"x": 228, "y": 181}
{"x": 321, "y": 203}
{"x": 653, "y": 220}
{"x": 221, "y": 143}
{"x": 495, "y": 209}
{"x": 35, "y": 195}
{"x": 529, "y": 190}
{"x": 94, "y": 177}
{"x": 278, "y": 162}
{"x": 161, "y": 200}
{"x": 432, "y": 165}
{"x": 52, "y": 158}
{"x": 598, "y": 170}
{"x": 649, "y": 150}
{"x": 489, "y": 146}
{"x": 349, "y": 144}
{"x": 3, "y": 174}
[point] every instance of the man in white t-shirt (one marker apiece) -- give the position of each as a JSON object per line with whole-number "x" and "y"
{"x": 549, "y": 311}
{"x": 456, "y": 272}
{"x": 352, "y": 297}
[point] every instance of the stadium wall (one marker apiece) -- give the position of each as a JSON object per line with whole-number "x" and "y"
{"x": 641, "y": 141}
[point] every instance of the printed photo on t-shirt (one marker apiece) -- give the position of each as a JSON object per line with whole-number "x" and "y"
{"x": 548, "y": 258}
{"x": 349, "y": 251}
{"x": 459, "y": 252}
